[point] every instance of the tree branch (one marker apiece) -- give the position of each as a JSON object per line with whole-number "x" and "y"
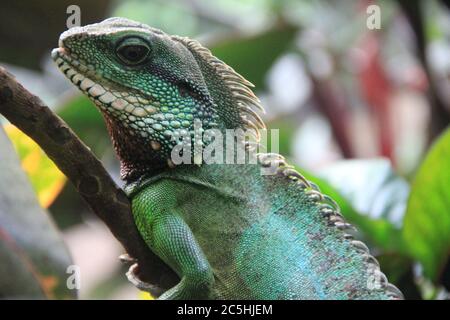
{"x": 85, "y": 172}
{"x": 440, "y": 116}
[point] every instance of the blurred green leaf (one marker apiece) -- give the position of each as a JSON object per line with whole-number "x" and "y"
{"x": 33, "y": 257}
{"x": 253, "y": 56}
{"x": 427, "y": 221}
{"x": 46, "y": 178}
{"x": 371, "y": 186}
{"x": 83, "y": 117}
{"x": 286, "y": 127}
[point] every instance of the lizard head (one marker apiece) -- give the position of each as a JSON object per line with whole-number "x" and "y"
{"x": 152, "y": 87}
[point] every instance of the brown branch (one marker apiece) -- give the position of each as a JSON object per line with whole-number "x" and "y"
{"x": 332, "y": 106}
{"x": 440, "y": 115}
{"x": 85, "y": 171}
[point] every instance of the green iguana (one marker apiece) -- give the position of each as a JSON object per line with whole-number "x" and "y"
{"x": 227, "y": 230}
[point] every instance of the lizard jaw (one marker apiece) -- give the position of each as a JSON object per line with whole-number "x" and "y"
{"x": 84, "y": 77}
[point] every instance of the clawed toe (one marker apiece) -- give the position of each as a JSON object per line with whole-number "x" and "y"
{"x": 126, "y": 258}
{"x": 138, "y": 283}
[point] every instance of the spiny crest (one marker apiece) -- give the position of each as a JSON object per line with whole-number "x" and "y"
{"x": 330, "y": 211}
{"x": 245, "y": 99}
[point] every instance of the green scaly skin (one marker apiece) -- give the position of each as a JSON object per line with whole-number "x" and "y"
{"x": 228, "y": 231}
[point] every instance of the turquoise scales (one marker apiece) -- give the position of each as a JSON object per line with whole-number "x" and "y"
{"x": 226, "y": 230}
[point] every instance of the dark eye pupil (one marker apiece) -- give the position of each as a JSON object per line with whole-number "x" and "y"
{"x": 133, "y": 53}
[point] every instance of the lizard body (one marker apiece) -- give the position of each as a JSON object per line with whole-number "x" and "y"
{"x": 227, "y": 230}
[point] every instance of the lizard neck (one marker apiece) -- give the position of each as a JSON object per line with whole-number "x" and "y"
{"x": 140, "y": 157}
{"x": 134, "y": 152}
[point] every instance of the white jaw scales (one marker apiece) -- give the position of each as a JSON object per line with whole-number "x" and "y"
{"x": 111, "y": 101}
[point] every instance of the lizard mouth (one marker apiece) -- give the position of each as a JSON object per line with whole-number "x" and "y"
{"x": 106, "y": 97}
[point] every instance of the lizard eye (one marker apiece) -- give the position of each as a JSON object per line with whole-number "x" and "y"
{"x": 132, "y": 51}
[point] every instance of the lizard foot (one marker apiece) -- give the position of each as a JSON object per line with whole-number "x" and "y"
{"x": 138, "y": 283}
